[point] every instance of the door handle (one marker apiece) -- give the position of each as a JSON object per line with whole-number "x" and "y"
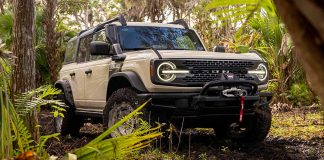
{"x": 72, "y": 74}
{"x": 88, "y": 71}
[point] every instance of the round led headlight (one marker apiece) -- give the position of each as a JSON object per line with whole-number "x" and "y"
{"x": 163, "y": 74}
{"x": 261, "y": 72}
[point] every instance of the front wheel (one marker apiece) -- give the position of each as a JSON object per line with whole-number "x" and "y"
{"x": 255, "y": 131}
{"x": 122, "y": 102}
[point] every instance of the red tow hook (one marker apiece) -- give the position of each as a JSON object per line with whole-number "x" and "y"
{"x": 242, "y": 107}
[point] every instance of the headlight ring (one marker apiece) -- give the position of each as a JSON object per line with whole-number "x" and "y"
{"x": 166, "y": 66}
{"x": 261, "y": 72}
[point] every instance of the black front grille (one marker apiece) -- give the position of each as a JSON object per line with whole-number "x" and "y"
{"x": 219, "y": 64}
{"x": 202, "y": 71}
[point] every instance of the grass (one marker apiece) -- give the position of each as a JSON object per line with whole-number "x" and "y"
{"x": 299, "y": 123}
{"x": 304, "y": 124}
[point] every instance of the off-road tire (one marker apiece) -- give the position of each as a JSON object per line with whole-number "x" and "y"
{"x": 260, "y": 125}
{"x": 119, "y": 97}
{"x": 71, "y": 124}
{"x": 257, "y": 128}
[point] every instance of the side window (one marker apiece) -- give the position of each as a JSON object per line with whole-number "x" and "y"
{"x": 99, "y": 36}
{"x": 84, "y": 48}
{"x": 70, "y": 52}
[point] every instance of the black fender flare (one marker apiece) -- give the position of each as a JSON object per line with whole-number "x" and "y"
{"x": 64, "y": 85}
{"x": 131, "y": 77}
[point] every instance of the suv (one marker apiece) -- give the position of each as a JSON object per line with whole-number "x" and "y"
{"x": 110, "y": 69}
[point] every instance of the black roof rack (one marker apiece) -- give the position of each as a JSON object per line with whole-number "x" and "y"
{"x": 120, "y": 18}
{"x": 180, "y": 22}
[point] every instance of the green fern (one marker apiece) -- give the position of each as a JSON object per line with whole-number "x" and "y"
{"x": 34, "y": 99}
{"x": 15, "y": 137}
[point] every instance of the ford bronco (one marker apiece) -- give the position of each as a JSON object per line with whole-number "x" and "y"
{"x": 111, "y": 68}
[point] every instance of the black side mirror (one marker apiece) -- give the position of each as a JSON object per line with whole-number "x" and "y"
{"x": 99, "y": 48}
{"x": 219, "y": 49}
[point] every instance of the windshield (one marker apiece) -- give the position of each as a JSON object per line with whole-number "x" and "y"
{"x": 161, "y": 38}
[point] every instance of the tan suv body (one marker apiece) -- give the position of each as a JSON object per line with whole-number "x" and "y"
{"x": 165, "y": 62}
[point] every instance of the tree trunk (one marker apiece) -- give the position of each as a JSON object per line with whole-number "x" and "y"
{"x": 1, "y": 6}
{"x": 24, "y": 50}
{"x": 305, "y": 22}
{"x": 51, "y": 37}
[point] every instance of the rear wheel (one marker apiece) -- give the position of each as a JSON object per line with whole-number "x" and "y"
{"x": 70, "y": 124}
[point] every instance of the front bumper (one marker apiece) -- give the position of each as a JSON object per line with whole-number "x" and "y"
{"x": 204, "y": 105}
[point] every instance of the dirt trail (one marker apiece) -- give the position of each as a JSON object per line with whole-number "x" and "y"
{"x": 205, "y": 145}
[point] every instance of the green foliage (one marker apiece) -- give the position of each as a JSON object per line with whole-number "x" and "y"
{"x": 299, "y": 94}
{"x": 14, "y": 135}
{"x": 6, "y": 25}
{"x": 25, "y": 102}
{"x": 202, "y": 156}
{"x": 262, "y": 30}
{"x": 305, "y": 124}
{"x": 6, "y": 28}
{"x": 119, "y": 147}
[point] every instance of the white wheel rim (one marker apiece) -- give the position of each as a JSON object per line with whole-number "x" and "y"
{"x": 119, "y": 111}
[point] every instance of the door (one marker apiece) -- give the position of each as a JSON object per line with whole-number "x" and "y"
{"x": 80, "y": 71}
{"x": 75, "y": 77}
{"x": 71, "y": 72}
{"x": 96, "y": 82}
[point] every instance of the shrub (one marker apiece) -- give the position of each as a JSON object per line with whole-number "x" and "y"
{"x": 299, "y": 94}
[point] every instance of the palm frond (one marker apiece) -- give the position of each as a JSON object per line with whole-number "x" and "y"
{"x": 117, "y": 148}
{"x": 6, "y": 148}
{"x": 25, "y": 102}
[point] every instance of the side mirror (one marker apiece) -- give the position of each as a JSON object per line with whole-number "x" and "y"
{"x": 219, "y": 49}
{"x": 99, "y": 48}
